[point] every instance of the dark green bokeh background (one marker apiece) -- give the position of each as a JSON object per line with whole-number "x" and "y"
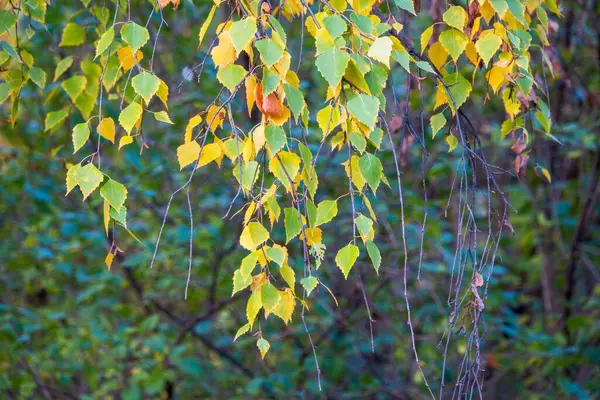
{"x": 71, "y": 329}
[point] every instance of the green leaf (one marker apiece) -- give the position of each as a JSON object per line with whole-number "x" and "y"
{"x": 276, "y": 138}
{"x": 270, "y": 297}
{"x": 115, "y": 193}
{"x": 407, "y": 5}
{"x": 105, "y": 41}
{"x": 292, "y": 224}
{"x": 454, "y": 42}
{"x": 7, "y": 20}
{"x": 332, "y": 65}
{"x": 62, "y": 66}
{"x": 456, "y": 17}
{"x": 460, "y": 88}
{"x": 129, "y": 116}
{"x": 146, "y": 85}
{"x": 253, "y": 235}
{"x": 4, "y": 91}
{"x": 364, "y": 108}
{"x": 289, "y": 276}
{"x": 250, "y": 173}
{"x": 487, "y": 46}
{"x": 231, "y": 76}
{"x": 346, "y": 258}
{"x": 335, "y": 25}
{"x": 38, "y": 76}
{"x": 500, "y": 6}
{"x": 88, "y": 178}
{"x": 72, "y": 35}
{"x": 370, "y": 167}
{"x": 270, "y": 51}
{"x": 438, "y": 121}
{"x": 326, "y": 211}
{"x": 363, "y": 23}
{"x": 81, "y": 133}
{"x": 263, "y": 347}
{"x": 358, "y": 141}
{"x": 295, "y": 100}
{"x": 364, "y": 225}
{"x": 74, "y": 86}
{"x": 309, "y": 284}
{"x": 55, "y": 118}
{"x": 276, "y": 254}
{"x": 270, "y": 81}
{"x": 134, "y": 35}
{"x": 242, "y": 33}
{"x": 374, "y": 255}
{"x": 120, "y": 216}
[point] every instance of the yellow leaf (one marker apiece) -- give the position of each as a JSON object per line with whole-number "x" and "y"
{"x": 187, "y": 153}
{"x": 258, "y": 136}
{"x": 163, "y": 93}
{"x": 126, "y": 58}
{"x": 328, "y": 118}
{"x": 495, "y": 77}
{"x": 205, "y": 25}
{"x": 193, "y": 122}
{"x": 250, "y": 85}
{"x": 106, "y": 129}
{"x": 253, "y": 235}
{"x": 285, "y": 308}
{"x": 213, "y": 119}
{"x": 471, "y": 53}
{"x": 224, "y": 53}
{"x": 109, "y": 260}
{"x": 425, "y": 37}
{"x": 357, "y": 177}
{"x": 125, "y": 140}
{"x": 249, "y": 213}
{"x": 546, "y": 174}
{"x": 438, "y": 55}
{"x": 210, "y": 152}
{"x": 106, "y": 216}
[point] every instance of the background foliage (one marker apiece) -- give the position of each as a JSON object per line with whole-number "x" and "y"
{"x": 72, "y": 329}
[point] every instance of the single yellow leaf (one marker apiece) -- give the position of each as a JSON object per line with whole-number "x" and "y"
{"x": 250, "y": 86}
{"x": 224, "y": 53}
{"x": 106, "y": 129}
{"x": 109, "y": 260}
{"x": 193, "y": 122}
{"x": 205, "y": 25}
{"x": 253, "y": 235}
{"x": 187, "y": 153}
{"x": 126, "y": 58}
{"x": 125, "y": 140}
{"x": 210, "y": 152}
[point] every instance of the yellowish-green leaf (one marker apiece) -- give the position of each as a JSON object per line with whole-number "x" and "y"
{"x": 163, "y": 116}
{"x": 231, "y": 76}
{"x": 452, "y": 142}
{"x": 309, "y": 284}
{"x": 81, "y": 133}
{"x": 425, "y": 37}
{"x": 146, "y": 85}
{"x": 242, "y": 32}
{"x": 105, "y": 41}
{"x": 454, "y": 42}
{"x": 263, "y": 347}
{"x": 253, "y": 235}
{"x": 253, "y": 307}
{"x": 206, "y": 24}
{"x": 115, "y": 193}
{"x": 438, "y": 121}
{"x": 72, "y": 35}
{"x": 286, "y": 169}
{"x": 346, "y": 258}
{"x": 487, "y": 46}
{"x": 129, "y": 116}
{"x": 134, "y": 35}
{"x": 326, "y": 211}
{"x": 269, "y": 297}
{"x": 456, "y": 17}
{"x": 246, "y": 327}
{"x": 88, "y": 178}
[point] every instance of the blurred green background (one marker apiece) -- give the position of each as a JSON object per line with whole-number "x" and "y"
{"x": 71, "y": 329}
